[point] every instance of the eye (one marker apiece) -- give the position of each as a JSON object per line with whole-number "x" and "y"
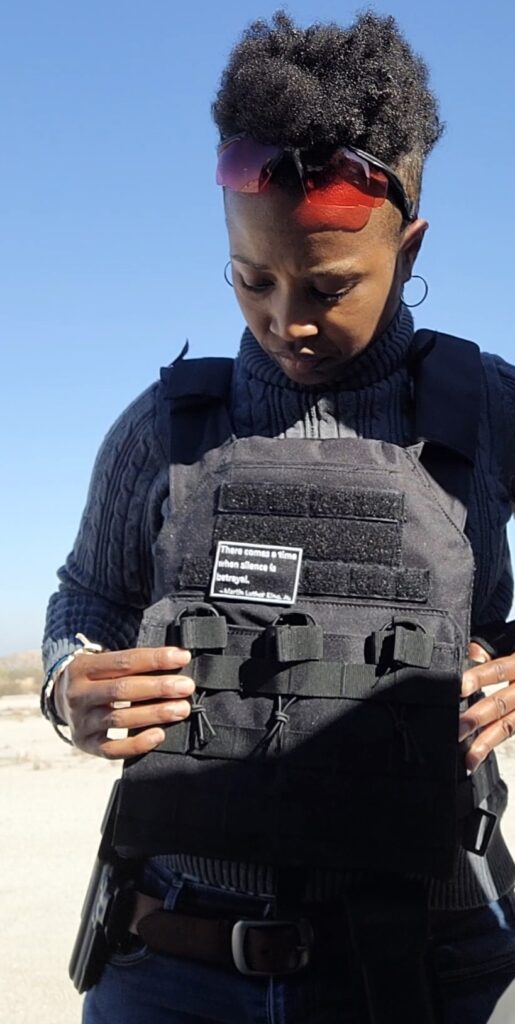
{"x": 330, "y": 298}
{"x": 256, "y": 288}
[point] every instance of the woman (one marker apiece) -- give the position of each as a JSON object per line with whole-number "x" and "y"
{"x": 332, "y": 445}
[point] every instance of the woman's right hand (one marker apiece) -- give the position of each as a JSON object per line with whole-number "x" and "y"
{"x": 88, "y": 693}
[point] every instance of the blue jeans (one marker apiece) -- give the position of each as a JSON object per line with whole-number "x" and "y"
{"x": 474, "y": 959}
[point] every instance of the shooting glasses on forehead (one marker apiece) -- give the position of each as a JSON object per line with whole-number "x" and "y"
{"x": 350, "y": 179}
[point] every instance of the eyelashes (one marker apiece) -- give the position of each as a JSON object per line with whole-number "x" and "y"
{"x": 325, "y": 298}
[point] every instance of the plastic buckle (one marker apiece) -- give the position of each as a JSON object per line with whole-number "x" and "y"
{"x": 479, "y": 829}
{"x": 304, "y": 948}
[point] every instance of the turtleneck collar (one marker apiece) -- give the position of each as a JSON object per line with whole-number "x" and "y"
{"x": 378, "y": 361}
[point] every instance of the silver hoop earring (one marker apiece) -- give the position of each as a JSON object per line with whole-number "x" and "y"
{"x": 411, "y": 305}
{"x": 226, "y": 276}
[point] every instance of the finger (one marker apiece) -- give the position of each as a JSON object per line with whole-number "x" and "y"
{"x": 500, "y": 670}
{"x": 132, "y": 689}
{"x": 488, "y": 739}
{"x": 139, "y": 716}
{"x": 478, "y": 653}
{"x": 131, "y": 746}
{"x": 136, "y": 661}
{"x": 486, "y": 711}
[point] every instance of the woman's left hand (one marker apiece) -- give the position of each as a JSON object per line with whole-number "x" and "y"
{"x": 494, "y": 715}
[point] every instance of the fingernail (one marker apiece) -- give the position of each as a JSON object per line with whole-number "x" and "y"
{"x": 467, "y": 688}
{"x": 156, "y": 736}
{"x": 473, "y": 762}
{"x": 174, "y": 709}
{"x": 177, "y": 655}
{"x": 465, "y": 728}
{"x": 185, "y": 687}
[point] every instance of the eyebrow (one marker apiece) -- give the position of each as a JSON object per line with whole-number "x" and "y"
{"x": 249, "y": 263}
{"x": 332, "y": 268}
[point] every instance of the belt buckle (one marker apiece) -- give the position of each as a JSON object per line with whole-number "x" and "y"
{"x": 303, "y": 949}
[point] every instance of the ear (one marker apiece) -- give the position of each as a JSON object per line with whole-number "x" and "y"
{"x": 411, "y": 240}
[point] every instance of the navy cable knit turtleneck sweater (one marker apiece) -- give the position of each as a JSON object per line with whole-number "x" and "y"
{"x": 107, "y": 579}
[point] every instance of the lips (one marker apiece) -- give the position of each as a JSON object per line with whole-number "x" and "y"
{"x": 301, "y": 365}
{"x": 302, "y": 358}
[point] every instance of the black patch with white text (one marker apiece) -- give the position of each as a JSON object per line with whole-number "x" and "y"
{"x": 268, "y": 574}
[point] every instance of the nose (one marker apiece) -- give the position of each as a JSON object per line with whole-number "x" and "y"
{"x": 289, "y": 320}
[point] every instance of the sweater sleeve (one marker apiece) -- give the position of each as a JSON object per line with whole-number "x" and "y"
{"x": 106, "y": 581}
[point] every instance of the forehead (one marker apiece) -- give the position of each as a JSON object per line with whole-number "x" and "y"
{"x": 273, "y": 226}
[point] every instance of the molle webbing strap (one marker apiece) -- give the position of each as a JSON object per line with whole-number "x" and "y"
{"x": 448, "y": 376}
{"x": 412, "y": 648}
{"x": 205, "y": 631}
{"x": 327, "y": 679}
{"x": 296, "y": 643}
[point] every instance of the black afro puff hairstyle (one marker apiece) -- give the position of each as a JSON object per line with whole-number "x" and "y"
{"x": 326, "y": 85}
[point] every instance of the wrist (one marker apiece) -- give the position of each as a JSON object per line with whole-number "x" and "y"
{"x": 52, "y": 704}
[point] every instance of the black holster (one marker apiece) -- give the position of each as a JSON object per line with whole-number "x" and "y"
{"x": 106, "y": 909}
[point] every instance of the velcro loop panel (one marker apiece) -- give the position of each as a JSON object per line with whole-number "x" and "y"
{"x": 310, "y": 500}
{"x": 357, "y": 503}
{"x": 412, "y": 584}
{"x": 195, "y": 572}
{"x": 265, "y": 498}
{"x": 412, "y": 647}
{"x": 296, "y": 643}
{"x": 348, "y": 540}
{"x": 375, "y": 581}
{"x": 203, "y": 632}
{"x": 328, "y": 577}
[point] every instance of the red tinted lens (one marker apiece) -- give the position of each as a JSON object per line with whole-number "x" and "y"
{"x": 349, "y": 183}
{"x": 245, "y": 165}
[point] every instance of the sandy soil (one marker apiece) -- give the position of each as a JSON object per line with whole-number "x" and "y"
{"x": 51, "y": 802}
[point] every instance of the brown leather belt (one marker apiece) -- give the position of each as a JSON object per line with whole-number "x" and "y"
{"x": 252, "y": 947}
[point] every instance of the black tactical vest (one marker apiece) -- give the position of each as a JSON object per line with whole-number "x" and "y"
{"x": 324, "y": 589}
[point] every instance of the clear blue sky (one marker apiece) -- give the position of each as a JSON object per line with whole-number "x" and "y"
{"x": 112, "y": 241}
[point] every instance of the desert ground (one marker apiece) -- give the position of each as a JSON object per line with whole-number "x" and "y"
{"x": 51, "y": 802}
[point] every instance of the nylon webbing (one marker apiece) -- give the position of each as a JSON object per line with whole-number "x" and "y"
{"x": 413, "y": 647}
{"x": 201, "y": 631}
{"x": 328, "y": 679}
{"x": 476, "y": 788}
{"x": 296, "y": 643}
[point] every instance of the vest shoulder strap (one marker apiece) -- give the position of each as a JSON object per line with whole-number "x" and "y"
{"x": 448, "y": 376}
{"x": 193, "y": 400}
{"x": 198, "y": 381}
{"x": 448, "y": 380}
